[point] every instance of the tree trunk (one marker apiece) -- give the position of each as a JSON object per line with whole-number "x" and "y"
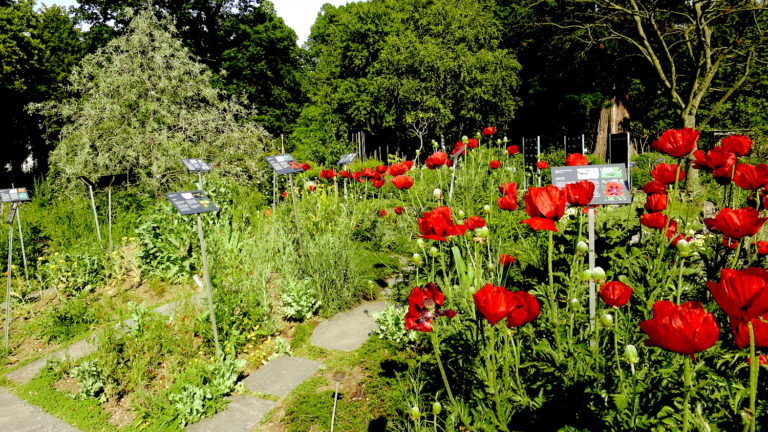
{"x": 692, "y": 178}
{"x": 612, "y": 117}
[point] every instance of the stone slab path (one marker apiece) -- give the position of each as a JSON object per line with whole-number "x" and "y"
{"x": 346, "y": 332}
{"x": 17, "y": 415}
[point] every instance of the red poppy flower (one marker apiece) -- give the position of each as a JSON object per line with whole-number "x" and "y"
{"x": 402, "y": 182}
{"x": 762, "y": 360}
{"x": 312, "y": 188}
{"x": 615, "y": 293}
{"x": 751, "y": 177}
{"x": 382, "y": 212}
{"x": 677, "y": 142}
{"x": 399, "y": 210}
{"x": 345, "y": 174}
{"x": 474, "y": 222}
{"x": 459, "y": 147}
{"x": 741, "y": 331}
{"x": 381, "y": 169}
{"x": 449, "y": 163}
{"x": 369, "y": 173}
{"x": 654, "y": 220}
{"x": 544, "y": 206}
{"x": 424, "y": 304}
{"x": 513, "y": 149}
{"x": 328, "y": 174}
{"x": 525, "y": 308}
{"x": 494, "y": 164}
{"x": 656, "y": 202}
{"x": 665, "y": 173}
{"x": 684, "y": 329}
{"x": 742, "y": 294}
{"x": 506, "y": 260}
{"x": 730, "y": 243}
{"x": 762, "y": 247}
{"x": 542, "y": 165}
{"x": 738, "y": 144}
{"x": 408, "y": 163}
{"x": 508, "y": 202}
{"x": 378, "y": 183}
{"x": 716, "y": 159}
{"x": 493, "y": 302}
{"x": 736, "y": 223}
{"x": 579, "y": 193}
{"x": 437, "y": 159}
{"x": 437, "y": 225}
{"x": 398, "y": 169}
{"x": 508, "y": 189}
{"x": 654, "y": 186}
{"x": 284, "y": 194}
{"x": 305, "y": 166}
{"x": 490, "y": 130}
{"x": 473, "y": 143}
{"x": 357, "y": 175}
{"x": 576, "y": 159}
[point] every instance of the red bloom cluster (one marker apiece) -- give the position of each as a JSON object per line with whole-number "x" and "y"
{"x": 513, "y": 149}
{"x": 576, "y": 159}
{"x": 542, "y": 165}
{"x": 424, "y": 304}
{"x": 666, "y": 173}
{"x": 438, "y": 225}
{"x": 436, "y": 159}
{"x": 495, "y": 303}
{"x": 508, "y": 200}
{"x": 545, "y": 206}
{"x": 720, "y": 160}
{"x": 685, "y": 329}
{"x": 743, "y": 296}
{"x": 402, "y": 182}
{"x": 474, "y": 222}
{"x": 736, "y": 223}
{"x": 490, "y": 130}
{"x": 398, "y": 169}
{"x": 328, "y": 174}
{"x": 506, "y": 260}
{"x": 677, "y": 142}
{"x": 751, "y": 177}
{"x": 494, "y": 164}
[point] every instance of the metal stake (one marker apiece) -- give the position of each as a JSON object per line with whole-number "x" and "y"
{"x": 208, "y": 285}
{"x": 109, "y": 216}
{"x": 8, "y": 286}
{"x": 592, "y": 293}
{"x": 295, "y": 212}
{"x": 95, "y": 215}
{"x": 21, "y": 238}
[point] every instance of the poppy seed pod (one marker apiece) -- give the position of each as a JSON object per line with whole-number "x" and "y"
{"x": 630, "y": 352}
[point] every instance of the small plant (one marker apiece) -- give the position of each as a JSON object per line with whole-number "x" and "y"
{"x": 90, "y": 377}
{"x": 391, "y": 325}
{"x": 282, "y": 348}
{"x": 299, "y": 301}
{"x": 67, "y": 320}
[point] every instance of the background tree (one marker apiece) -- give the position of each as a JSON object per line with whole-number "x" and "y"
{"x": 249, "y": 48}
{"x": 142, "y": 103}
{"x": 39, "y": 48}
{"x": 379, "y": 66}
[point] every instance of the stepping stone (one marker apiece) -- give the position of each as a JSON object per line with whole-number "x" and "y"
{"x": 280, "y": 376}
{"x": 19, "y": 416}
{"x": 77, "y": 350}
{"x": 347, "y": 331}
{"x": 241, "y": 415}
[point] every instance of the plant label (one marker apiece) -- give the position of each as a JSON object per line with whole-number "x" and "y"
{"x": 191, "y": 202}
{"x": 347, "y": 158}
{"x": 14, "y": 195}
{"x": 611, "y": 184}
{"x": 196, "y": 165}
{"x": 284, "y": 164}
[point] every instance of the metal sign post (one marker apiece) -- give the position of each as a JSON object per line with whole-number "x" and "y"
{"x": 23, "y": 249}
{"x": 199, "y": 166}
{"x": 286, "y": 164}
{"x": 344, "y": 161}
{"x": 197, "y": 202}
{"x": 295, "y": 210}
{"x": 592, "y": 290}
{"x": 8, "y": 272}
{"x": 93, "y": 206}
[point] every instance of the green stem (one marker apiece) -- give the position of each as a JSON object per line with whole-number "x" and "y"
{"x": 436, "y": 347}
{"x": 680, "y": 280}
{"x": 553, "y": 300}
{"x": 616, "y": 348}
{"x": 754, "y": 371}
{"x": 687, "y": 382}
{"x": 736, "y": 255}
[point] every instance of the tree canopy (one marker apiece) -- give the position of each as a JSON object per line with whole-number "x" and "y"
{"x": 142, "y": 103}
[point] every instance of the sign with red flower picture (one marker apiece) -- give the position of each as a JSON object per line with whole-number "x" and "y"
{"x": 611, "y": 184}
{"x": 284, "y": 164}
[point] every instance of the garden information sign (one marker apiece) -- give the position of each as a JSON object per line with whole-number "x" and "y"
{"x": 197, "y": 202}
{"x": 347, "y": 158}
{"x": 196, "y": 165}
{"x": 284, "y": 164}
{"x": 14, "y": 195}
{"x": 611, "y": 184}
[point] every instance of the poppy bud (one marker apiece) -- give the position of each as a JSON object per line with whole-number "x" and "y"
{"x": 582, "y": 247}
{"x": 598, "y": 274}
{"x": 630, "y": 352}
{"x": 436, "y": 408}
{"x": 623, "y": 279}
{"x": 437, "y": 193}
{"x": 487, "y": 208}
{"x": 433, "y": 252}
{"x": 420, "y": 243}
{"x": 417, "y": 259}
{"x": 574, "y": 305}
{"x": 683, "y": 248}
{"x": 465, "y": 139}
{"x": 490, "y": 266}
{"x": 461, "y": 214}
{"x": 482, "y": 232}
{"x": 505, "y": 140}
{"x": 586, "y": 275}
{"x": 415, "y": 413}
{"x": 498, "y": 141}
{"x": 606, "y": 320}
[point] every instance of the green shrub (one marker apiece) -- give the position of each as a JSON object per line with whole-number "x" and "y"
{"x": 90, "y": 377}
{"x": 67, "y": 320}
{"x": 299, "y": 300}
